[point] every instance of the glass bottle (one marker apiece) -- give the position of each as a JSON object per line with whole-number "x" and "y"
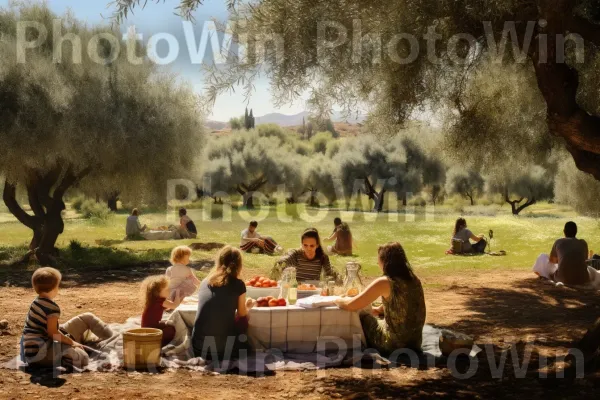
{"x": 323, "y": 284}
{"x": 352, "y": 283}
{"x": 293, "y": 287}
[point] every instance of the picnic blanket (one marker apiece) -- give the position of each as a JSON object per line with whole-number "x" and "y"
{"x": 110, "y": 357}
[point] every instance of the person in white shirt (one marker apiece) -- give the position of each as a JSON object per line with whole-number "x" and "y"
{"x": 252, "y": 241}
{"x": 134, "y": 228}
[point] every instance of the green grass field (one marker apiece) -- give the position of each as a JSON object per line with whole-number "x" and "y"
{"x": 424, "y": 234}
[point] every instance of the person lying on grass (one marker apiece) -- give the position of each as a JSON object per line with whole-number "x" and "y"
{"x": 462, "y": 233}
{"x": 403, "y": 309}
{"x": 44, "y": 342}
{"x": 222, "y": 309}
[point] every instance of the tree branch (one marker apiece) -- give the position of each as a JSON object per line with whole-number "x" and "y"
{"x": 10, "y": 199}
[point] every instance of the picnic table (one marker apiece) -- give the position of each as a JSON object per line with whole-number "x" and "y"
{"x": 290, "y": 329}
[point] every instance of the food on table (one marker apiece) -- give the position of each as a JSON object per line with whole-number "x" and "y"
{"x": 261, "y": 282}
{"x": 307, "y": 286}
{"x": 270, "y": 301}
{"x": 352, "y": 292}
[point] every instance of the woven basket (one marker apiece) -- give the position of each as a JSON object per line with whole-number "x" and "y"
{"x": 141, "y": 348}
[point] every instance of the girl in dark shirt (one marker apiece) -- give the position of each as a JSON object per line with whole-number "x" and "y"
{"x": 155, "y": 290}
{"x": 222, "y": 309}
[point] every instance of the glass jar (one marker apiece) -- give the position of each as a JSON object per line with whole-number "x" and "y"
{"x": 352, "y": 282}
{"x": 289, "y": 285}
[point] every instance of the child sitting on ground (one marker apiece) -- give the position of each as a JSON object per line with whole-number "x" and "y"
{"x": 155, "y": 290}
{"x": 44, "y": 343}
{"x": 181, "y": 277}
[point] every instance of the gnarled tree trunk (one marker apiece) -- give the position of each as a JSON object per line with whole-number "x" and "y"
{"x": 111, "y": 201}
{"x": 559, "y": 82}
{"x": 247, "y": 191}
{"x": 377, "y": 197}
{"x": 45, "y": 192}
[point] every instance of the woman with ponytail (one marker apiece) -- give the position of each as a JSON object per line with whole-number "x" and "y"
{"x": 222, "y": 309}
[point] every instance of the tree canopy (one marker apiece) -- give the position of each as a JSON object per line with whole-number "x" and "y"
{"x": 435, "y": 54}
{"x": 103, "y": 125}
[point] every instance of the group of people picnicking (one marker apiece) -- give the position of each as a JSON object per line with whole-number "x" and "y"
{"x": 185, "y": 230}
{"x": 222, "y": 304}
{"x": 223, "y": 307}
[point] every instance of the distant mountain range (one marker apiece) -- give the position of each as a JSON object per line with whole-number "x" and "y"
{"x": 288, "y": 120}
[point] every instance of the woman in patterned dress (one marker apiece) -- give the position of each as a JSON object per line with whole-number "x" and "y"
{"x": 403, "y": 309}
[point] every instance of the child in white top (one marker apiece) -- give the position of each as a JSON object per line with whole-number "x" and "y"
{"x": 181, "y": 277}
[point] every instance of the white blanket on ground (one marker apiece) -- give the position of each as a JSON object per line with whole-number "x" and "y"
{"x": 110, "y": 358}
{"x": 544, "y": 268}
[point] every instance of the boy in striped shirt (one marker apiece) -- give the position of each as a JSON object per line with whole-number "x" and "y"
{"x": 42, "y": 330}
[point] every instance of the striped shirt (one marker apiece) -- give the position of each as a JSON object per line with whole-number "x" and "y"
{"x": 308, "y": 270}
{"x": 35, "y": 332}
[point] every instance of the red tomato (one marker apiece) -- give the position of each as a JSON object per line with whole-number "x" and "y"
{"x": 281, "y": 302}
{"x": 273, "y": 303}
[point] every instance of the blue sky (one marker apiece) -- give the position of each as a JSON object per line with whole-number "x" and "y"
{"x": 160, "y": 18}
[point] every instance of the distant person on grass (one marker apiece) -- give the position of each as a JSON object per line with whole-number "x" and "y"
{"x": 567, "y": 261}
{"x": 42, "y": 330}
{"x": 403, "y": 309}
{"x": 343, "y": 239}
{"x": 252, "y": 241}
{"x": 187, "y": 228}
{"x": 464, "y": 236}
{"x": 134, "y": 228}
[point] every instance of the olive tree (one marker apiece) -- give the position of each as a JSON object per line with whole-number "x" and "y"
{"x": 320, "y": 176}
{"x": 553, "y": 41}
{"x": 375, "y": 167}
{"x": 467, "y": 183}
{"x": 248, "y": 163}
{"x": 71, "y": 124}
{"x": 523, "y": 187}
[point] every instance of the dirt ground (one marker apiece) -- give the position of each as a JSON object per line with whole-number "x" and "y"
{"x": 491, "y": 306}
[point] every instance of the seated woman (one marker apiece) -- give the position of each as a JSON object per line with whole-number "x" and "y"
{"x": 187, "y": 228}
{"x": 343, "y": 239}
{"x": 403, "y": 307}
{"x": 310, "y": 259}
{"x": 462, "y": 233}
{"x": 222, "y": 309}
{"x": 133, "y": 228}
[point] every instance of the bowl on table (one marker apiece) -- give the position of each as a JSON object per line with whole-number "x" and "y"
{"x": 256, "y": 292}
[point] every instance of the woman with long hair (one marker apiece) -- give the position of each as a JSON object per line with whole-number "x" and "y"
{"x": 222, "y": 308}
{"x": 463, "y": 234}
{"x": 342, "y": 237}
{"x": 310, "y": 259}
{"x": 403, "y": 309}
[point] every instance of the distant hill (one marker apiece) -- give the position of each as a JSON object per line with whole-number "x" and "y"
{"x": 286, "y": 120}
{"x": 216, "y": 125}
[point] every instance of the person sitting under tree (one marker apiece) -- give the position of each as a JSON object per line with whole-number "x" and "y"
{"x": 133, "y": 228}
{"x": 463, "y": 234}
{"x": 567, "y": 262}
{"x": 252, "y": 240}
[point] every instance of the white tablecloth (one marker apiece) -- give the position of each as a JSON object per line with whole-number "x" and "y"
{"x": 290, "y": 329}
